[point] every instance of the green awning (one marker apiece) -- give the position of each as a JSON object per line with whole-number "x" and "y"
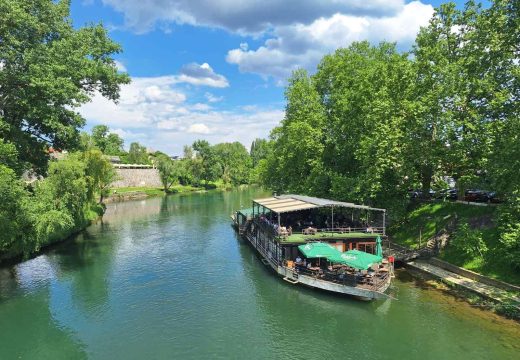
{"x": 356, "y": 259}
{"x": 318, "y": 250}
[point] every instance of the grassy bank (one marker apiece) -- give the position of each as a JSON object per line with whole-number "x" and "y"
{"x": 128, "y": 193}
{"x": 425, "y": 220}
{"x": 18, "y": 253}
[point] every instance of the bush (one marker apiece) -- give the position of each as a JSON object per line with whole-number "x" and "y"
{"x": 469, "y": 241}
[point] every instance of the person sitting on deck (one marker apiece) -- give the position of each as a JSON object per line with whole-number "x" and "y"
{"x": 289, "y": 230}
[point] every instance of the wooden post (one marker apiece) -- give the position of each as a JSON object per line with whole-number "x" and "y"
{"x": 384, "y": 222}
{"x": 332, "y": 227}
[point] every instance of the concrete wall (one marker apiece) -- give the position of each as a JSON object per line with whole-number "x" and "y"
{"x": 473, "y": 275}
{"x": 137, "y": 177}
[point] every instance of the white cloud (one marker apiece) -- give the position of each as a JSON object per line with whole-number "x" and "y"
{"x": 154, "y": 112}
{"x": 204, "y": 75}
{"x": 120, "y": 66}
{"x": 212, "y": 98}
{"x": 300, "y": 45}
{"x": 198, "y": 129}
{"x": 252, "y": 16}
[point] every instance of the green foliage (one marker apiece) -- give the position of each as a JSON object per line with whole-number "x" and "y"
{"x": 49, "y": 68}
{"x": 99, "y": 173}
{"x": 168, "y": 171}
{"x": 205, "y": 166}
{"x": 13, "y": 226}
{"x": 109, "y": 143}
{"x": 234, "y": 161}
{"x": 137, "y": 154}
{"x": 509, "y": 220}
{"x": 9, "y": 156}
{"x": 469, "y": 241}
{"x": 259, "y": 150}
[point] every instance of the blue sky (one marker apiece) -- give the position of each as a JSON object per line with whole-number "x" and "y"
{"x": 216, "y": 69}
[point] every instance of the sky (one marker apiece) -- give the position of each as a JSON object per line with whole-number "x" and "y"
{"x": 217, "y": 69}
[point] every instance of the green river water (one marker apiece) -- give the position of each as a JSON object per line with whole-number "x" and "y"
{"x": 167, "y": 278}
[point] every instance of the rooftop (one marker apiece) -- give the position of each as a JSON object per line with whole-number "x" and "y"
{"x": 290, "y": 202}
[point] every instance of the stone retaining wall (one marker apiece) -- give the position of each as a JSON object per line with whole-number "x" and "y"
{"x": 137, "y": 178}
{"x": 473, "y": 275}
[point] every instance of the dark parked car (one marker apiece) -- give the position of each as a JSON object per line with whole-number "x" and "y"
{"x": 417, "y": 194}
{"x": 480, "y": 196}
{"x": 449, "y": 194}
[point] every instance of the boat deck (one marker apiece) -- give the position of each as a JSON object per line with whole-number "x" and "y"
{"x": 299, "y": 238}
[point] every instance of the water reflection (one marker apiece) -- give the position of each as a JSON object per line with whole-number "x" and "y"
{"x": 168, "y": 277}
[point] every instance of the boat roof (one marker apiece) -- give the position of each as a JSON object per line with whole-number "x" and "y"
{"x": 291, "y": 202}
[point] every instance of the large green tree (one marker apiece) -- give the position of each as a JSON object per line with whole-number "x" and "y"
{"x": 137, "y": 154}
{"x": 206, "y": 164}
{"x": 235, "y": 162}
{"x": 48, "y": 69}
{"x": 109, "y": 143}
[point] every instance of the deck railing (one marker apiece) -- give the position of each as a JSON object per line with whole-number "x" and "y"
{"x": 374, "y": 282}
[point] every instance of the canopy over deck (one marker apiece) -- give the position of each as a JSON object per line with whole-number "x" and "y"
{"x": 353, "y": 258}
{"x": 286, "y": 203}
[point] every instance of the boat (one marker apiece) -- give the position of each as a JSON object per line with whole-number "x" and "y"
{"x": 320, "y": 243}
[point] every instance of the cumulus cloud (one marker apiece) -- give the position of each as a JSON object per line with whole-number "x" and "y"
{"x": 298, "y": 45}
{"x": 204, "y": 75}
{"x": 253, "y": 16}
{"x": 198, "y": 129}
{"x": 154, "y": 112}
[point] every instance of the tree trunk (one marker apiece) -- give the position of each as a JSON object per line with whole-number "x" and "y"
{"x": 426, "y": 181}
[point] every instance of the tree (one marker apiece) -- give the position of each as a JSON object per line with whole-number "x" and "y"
{"x": 295, "y": 159}
{"x": 187, "y": 152}
{"x": 109, "y": 143}
{"x": 13, "y": 218}
{"x": 137, "y": 154}
{"x": 168, "y": 171}
{"x": 99, "y": 173}
{"x": 209, "y": 167}
{"x": 49, "y": 69}
{"x": 235, "y": 162}
{"x": 259, "y": 151}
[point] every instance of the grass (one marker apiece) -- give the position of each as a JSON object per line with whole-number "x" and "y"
{"x": 150, "y": 191}
{"x": 301, "y": 238}
{"x": 427, "y": 219}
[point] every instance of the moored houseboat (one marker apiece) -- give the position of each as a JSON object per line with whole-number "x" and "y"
{"x": 320, "y": 243}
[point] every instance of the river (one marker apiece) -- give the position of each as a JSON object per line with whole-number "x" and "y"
{"x": 168, "y": 278}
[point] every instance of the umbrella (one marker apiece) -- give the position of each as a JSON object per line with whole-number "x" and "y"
{"x": 379, "y": 248}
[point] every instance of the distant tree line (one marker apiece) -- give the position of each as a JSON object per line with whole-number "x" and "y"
{"x": 373, "y": 122}
{"x": 111, "y": 144}
{"x": 203, "y": 164}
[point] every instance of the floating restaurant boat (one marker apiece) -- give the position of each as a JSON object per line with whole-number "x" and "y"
{"x": 320, "y": 243}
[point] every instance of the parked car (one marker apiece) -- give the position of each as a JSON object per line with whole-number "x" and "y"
{"x": 448, "y": 194}
{"x": 478, "y": 195}
{"x": 417, "y": 194}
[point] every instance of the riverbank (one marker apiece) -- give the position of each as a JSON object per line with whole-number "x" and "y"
{"x": 485, "y": 298}
{"x": 18, "y": 254}
{"x": 143, "y": 192}
{"x": 502, "y": 298}
{"x": 469, "y": 231}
